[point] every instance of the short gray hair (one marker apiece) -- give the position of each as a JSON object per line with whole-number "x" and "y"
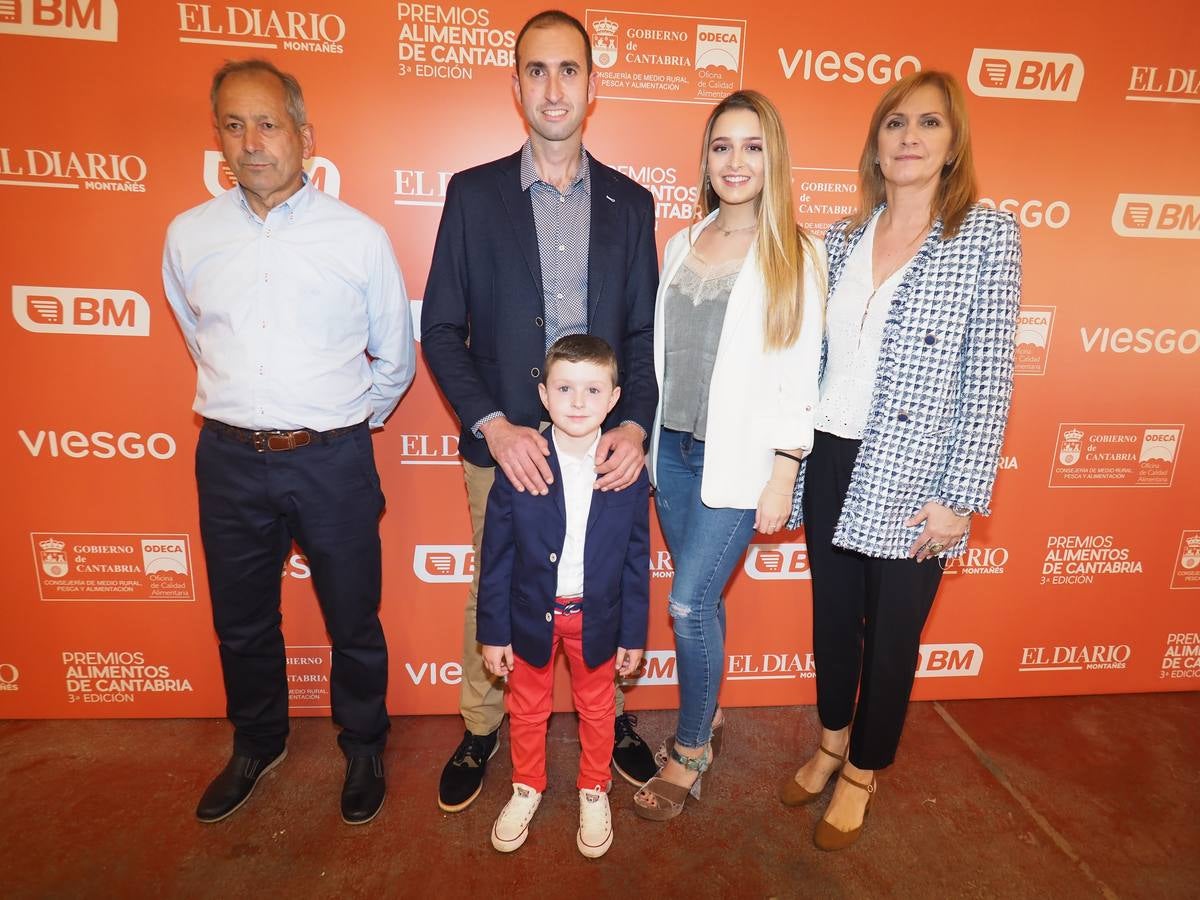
{"x": 291, "y": 87}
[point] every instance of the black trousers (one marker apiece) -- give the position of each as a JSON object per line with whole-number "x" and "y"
{"x": 325, "y": 496}
{"x": 868, "y": 615}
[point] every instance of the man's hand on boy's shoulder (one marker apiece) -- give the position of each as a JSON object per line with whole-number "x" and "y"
{"x": 628, "y": 661}
{"x": 620, "y": 456}
{"x": 498, "y": 660}
{"x": 521, "y": 452}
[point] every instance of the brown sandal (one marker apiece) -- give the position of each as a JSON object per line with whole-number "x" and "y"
{"x": 826, "y": 837}
{"x": 792, "y": 793}
{"x": 670, "y": 798}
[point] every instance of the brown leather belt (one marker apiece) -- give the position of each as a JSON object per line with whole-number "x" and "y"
{"x": 278, "y": 441}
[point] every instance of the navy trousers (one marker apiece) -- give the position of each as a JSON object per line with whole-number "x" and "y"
{"x": 868, "y": 615}
{"x": 325, "y": 496}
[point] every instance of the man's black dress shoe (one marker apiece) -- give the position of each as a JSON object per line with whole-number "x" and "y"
{"x": 462, "y": 777}
{"x": 364, "y": 790}
{"x": 632, "y": 758}
{"x": 234, "y": 785}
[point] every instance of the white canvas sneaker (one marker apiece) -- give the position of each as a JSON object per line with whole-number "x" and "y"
{"x": 512, "y": 825}
{"x": 595, "y": 823}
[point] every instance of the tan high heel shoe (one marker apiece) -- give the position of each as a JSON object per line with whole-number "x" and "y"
{"x": 792, "y": 793}
{"x": 669, "y": 798}
{"x": 826, "y": 837}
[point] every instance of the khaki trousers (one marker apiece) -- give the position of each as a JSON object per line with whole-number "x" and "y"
{"x": 481, "y": 697}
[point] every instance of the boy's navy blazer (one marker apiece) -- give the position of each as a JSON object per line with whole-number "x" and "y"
{"x": 482, "y": 318}
{"x": 523, "y": 538}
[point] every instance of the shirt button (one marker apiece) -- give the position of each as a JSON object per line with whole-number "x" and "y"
{"x": 903, "y": 417}
{"x": 266, "y": 276}
{"x": 535, "y": 372}
{"x": 559, "y": 296}
{"x": 562, "y": 199}
{"x": 537, "y": 320}
{"x": 553, "y": 557}
{"x": 561, "y": 248}
{"x": 549, "y": 617}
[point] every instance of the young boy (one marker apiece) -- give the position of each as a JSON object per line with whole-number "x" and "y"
{"x": 568, "y": 568}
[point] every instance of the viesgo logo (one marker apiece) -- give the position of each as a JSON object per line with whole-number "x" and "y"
{"x": 852, "y": 67}
{"x": 229, "y": 25}
{"x": 1025, "y": 74}
{"x": 68, "y": 310}
{"x": 773, "y": 562}
{"x": 1157, "y": 216}
{"x": 66, "y": 169}
{"x": 1140, "y": 340}
{"x": 1033, "y": 213}
{"x": 85, "y": 20}
{"x": 444, "y": 563}
{"x": 97, "y": 444}
{"x": 218, "y": 177}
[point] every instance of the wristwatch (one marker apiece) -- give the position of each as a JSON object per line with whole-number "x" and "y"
{"x": 961, "y": 511}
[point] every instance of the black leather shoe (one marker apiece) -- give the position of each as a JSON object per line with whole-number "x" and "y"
{"x": 462, "y": 778}
{"x": 632, "y": 758}
{"x": 364, "y": 790}
{"x": 234, "y": 785}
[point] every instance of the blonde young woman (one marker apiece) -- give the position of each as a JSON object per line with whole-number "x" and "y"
{"x": 736, "y": 342}
{"x": 924, "y": 289}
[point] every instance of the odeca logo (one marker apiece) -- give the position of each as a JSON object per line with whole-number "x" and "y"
{"x": 444, "y": 563}
{"x": 1157, "y": 216}
{"x": 97, "y": 444}
{"x": 85, "y": 20}
{"x": 219, "y": 178}
{"x": 232, "y": 25}
{"x": 70, "y": 170}
{"x": 70, "y": 310}
{"x": 1025, "y": 75}
{"x": 1034, "y": 326}
{"x": 773, "y": 562}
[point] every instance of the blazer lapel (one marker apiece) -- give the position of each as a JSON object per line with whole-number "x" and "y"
{"x": 520, "y": 214}
{"x": 599, "y": 501}
{"x": 602, "y": 234}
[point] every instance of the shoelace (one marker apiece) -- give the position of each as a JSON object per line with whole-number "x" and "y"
{"x": 626, "y": 724}
{"x": 472, "y": 748}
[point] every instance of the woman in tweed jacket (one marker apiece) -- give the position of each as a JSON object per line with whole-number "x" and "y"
{"x": 916, "y": 376}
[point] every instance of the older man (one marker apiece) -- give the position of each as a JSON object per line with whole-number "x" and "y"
{"x": 281, "y": 292}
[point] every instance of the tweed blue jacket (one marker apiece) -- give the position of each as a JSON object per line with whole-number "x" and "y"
{"x": 943, "y": 385}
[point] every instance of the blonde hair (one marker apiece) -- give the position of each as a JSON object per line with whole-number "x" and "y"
{"x": 958, "y": 188}
{"x": 781, "y": 243}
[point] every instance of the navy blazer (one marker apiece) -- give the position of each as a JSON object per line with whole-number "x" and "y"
{"x": 482, "y": 326}
{"x": 523, "y": 538}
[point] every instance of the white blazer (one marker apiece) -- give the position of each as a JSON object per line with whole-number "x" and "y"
{"x": 757, "y": 401}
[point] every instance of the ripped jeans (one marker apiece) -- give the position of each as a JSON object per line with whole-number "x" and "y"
{"x": 705, "y": 546}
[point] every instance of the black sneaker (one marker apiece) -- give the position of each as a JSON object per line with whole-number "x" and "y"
{"x": 631, "y": 757}
{"x": 462, "y": 778}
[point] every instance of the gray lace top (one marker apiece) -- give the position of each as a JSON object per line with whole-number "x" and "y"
{"x": 696, "y": 301}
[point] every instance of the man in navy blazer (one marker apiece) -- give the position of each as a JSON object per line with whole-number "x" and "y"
{"x": 531, "y": 247}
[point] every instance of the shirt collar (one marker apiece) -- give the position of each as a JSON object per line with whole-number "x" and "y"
{"x": 293, "y": 205}
{"x": 529, "y": 173}
{"x": 589, "y": 458}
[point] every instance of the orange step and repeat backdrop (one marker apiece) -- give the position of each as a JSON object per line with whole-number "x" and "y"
{"x": 1086, "y": 579}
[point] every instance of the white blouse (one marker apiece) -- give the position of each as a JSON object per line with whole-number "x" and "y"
{"x": 854, "y": 321}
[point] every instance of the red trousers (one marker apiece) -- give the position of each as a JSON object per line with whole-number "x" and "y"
{"x": 529, "y": 700}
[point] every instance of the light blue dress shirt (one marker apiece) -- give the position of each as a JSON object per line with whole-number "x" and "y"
{"x": 280, "y": 314}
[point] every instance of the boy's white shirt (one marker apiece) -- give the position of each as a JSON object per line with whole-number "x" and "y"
{"x": 578, "y": 483}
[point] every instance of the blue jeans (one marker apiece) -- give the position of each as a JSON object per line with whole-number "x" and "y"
{"x": 705, "y": 546}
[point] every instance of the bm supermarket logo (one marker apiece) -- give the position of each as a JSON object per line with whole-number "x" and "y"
{"x": 72, "y": 310}
{"x": 83, "y": 20}
{"x": 1025, "y": 75}
{"x": 1157, "y": 216}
